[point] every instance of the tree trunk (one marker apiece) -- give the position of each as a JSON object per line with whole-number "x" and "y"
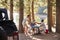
{"x": 21, "y": 11}
{"x": 11, "y": 9}
{"x": 50, "y": 22}
{"x": 33, "y": 10}
{"x": 58, "y": 16}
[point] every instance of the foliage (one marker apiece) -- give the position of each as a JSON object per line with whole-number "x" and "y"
{"x": 27, "y": 4}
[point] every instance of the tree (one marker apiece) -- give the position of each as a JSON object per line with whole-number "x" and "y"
{"x": 58, "y": 16}
{"x": 11, "y": 9}
{"x": 21, "y": 11}
{"x": 33, "y": 10}
{"x": 50, "y": 22}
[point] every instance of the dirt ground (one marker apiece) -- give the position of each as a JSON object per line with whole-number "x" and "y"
{"x": 50, "y": 36}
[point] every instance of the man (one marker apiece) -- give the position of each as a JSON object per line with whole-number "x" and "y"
{"x": 26, "y": 24}
{"x": 42, "y": 26}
